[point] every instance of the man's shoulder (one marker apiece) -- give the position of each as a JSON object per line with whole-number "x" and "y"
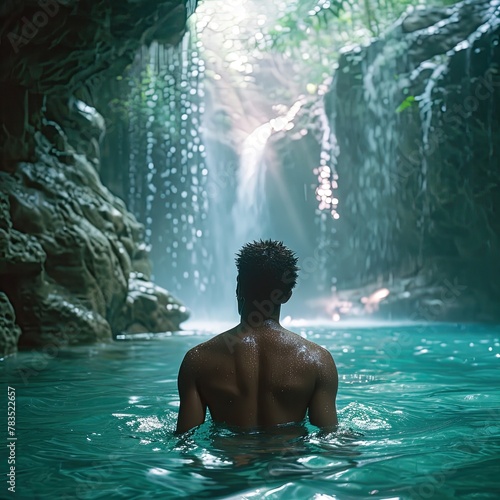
{"x": 309, "y": 343}
{"x": 321, "y": 354}
{"x": 197, "y": 357}
{"x": 208, "y": 346}
{"x": 198, "y": 350}
{"x": 325, "y": 353}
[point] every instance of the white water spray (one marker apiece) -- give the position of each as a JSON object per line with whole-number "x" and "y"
{"x": 249, "y": 215}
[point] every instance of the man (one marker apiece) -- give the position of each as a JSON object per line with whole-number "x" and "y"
{"x": 258, "y": 374}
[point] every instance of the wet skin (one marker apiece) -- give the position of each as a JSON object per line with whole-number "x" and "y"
{"x": 258, "y": 377}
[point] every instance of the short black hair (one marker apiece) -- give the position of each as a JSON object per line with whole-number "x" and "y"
{"x": 266, "y": 266}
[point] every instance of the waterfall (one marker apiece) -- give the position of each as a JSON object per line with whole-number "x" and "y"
{"x": 202, "y": 194}
{"x": 426, "y": 106}
{"x": 167, "y": 171}
{"x": 327, "y": 178}
{"x": 245, "y": 221}
{"x": 248, "y": 214}
{"x": 239, "y": 210}
{"x": 249, "y": 217}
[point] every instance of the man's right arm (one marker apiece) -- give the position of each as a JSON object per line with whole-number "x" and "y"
{"x": 322, "y": 409}
{"x": 192, "y": 410}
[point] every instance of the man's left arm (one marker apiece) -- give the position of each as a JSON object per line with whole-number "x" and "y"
{"x": 192, "y": 410}
{"x": 322, "y": 407}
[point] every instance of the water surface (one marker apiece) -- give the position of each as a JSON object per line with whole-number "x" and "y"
{"x": 419, "y": 408}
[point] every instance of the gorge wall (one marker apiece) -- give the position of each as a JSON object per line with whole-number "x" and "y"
{"x": 416, "y": 115}
{"x": 73, "y": 265}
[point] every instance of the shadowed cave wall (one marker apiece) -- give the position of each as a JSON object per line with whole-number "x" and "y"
{"x": 73, "y": 265}
{"x": 416, "y": 116}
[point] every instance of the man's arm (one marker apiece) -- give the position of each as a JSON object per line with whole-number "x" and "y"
{"x": 191, "y": 410}
{"x": 322, "y": 410}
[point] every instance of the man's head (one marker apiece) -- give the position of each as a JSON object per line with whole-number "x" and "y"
{"x": 267, "y": 270}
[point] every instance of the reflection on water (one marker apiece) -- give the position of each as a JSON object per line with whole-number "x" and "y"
{"x": 231, "y": 460}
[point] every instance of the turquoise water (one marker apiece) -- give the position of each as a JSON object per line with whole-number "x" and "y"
{"x": 419, "y": 408}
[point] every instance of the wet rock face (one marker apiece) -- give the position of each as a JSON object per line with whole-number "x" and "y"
{"x": 416, "y": 115}
{"x": 54, "y": 45}
{"x": 66, "y": 47}
{"x": 150, "y": 308}
{"x": 9, "y": 330}
{"x": 73, "y": 264}
{"x": 68, "y": 249}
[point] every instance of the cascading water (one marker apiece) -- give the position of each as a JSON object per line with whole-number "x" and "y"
{"x": 237, "y": 218}
{"x": 199, "y": 210}
{"x": 170, "y": 197}
{"x": 248, "y": 214}
{"x": 426, "y": 106}
{"x": 326, "y": 195}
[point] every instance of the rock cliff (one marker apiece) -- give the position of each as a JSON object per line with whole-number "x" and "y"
{"x": 73, "y": 265}
{"x": 416, "y": 116}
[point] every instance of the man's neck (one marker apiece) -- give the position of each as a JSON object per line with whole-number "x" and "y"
{"x": 255, "y": 316}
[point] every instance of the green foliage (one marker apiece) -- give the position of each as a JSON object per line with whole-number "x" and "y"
{"x": 302, "y": 19}
{"x": 409, "y": 101}
{"x": 305, "y": 17}
{"x": 309, "y": 16}
{"x": 315, "y": 30}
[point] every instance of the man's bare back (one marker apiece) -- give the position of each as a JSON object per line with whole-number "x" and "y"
{"x": 258, "y": 377}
